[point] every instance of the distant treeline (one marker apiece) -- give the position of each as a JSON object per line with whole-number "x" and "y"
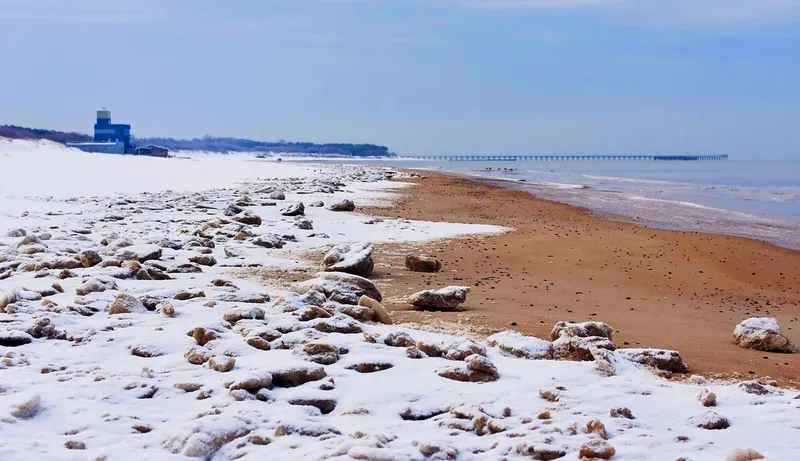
{"x": 209, "y": 143}
{"x": 21, "y": 132}
{"x": 215, "y": 144}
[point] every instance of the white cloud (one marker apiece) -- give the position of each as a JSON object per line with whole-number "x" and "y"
{"x": 664, "y": 11}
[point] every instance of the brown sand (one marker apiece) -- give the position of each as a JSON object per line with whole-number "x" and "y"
{"x": 657, "y": 288}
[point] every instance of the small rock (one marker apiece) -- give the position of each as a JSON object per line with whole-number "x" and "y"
{"x": 187, "y": 295}
{"x": 399, "y": 339}
{"x": 186, "y": 268}
{"x": 14, "y": 338}
{"x": 188, "y": 387}
{"x": 478, "y": 370}
{"x": 351, "y": 259}
{"x": 446, "y": 299}
{"x": 252, "y": 383}
{"x": 221, "y": 363}
{"x": 711, "y": 421}
{"x": 324, "y": 405}
{"x": 257, "y": 342}
{"x": 707, "y": 398}
{"x": 744, "y": 455}
{"x": 268, "y": 241}
{"x": 197, "y": 355}
{"x": 324, "y": 354}
{"x": 95, "y": 285}
{"x": 248, "y": 217}
{"x": 74, "y": 445}
{"x": 164, "y": 307}
{"x": 277, "y": 195}
{"x": 126, "y": 304}
{"x": 755, "y": 388}
{"x": 370, "y": 367}
{"x": 303, "y": 223}
{"x": 597, "y": 449}
{"x": 296, "y": 209}
{"x": 596, "y": 427}
{"x": 90, "y": 258}
{"x": 27, "y": 409}
{"x": 381, "y": 314}
{"x": 202, "y": 335}
{"x": 548, "y": 395}
{"x": 622, "y": 412}
{"x": 423, "y": 263}
{"x": 204, "y": 260}
{"x": 344, "y": 205}
{"x": 239, "y": 313}
{"x": 296, "y": 376}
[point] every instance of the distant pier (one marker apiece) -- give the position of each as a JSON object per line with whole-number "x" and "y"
{"x": 520, "y": 158}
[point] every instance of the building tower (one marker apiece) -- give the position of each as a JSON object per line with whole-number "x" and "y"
{"x": 105, "y": 131}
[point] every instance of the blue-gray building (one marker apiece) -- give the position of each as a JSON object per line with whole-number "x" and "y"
{"x": 115, "y": 138}
{"x": 109, "y": 138}
{"x": 105, "y": 131}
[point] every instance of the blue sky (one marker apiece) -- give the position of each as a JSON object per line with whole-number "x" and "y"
{"x": 421, "y": 76}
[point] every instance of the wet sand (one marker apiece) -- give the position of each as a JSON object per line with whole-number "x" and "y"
{"x": 657, "y": 288}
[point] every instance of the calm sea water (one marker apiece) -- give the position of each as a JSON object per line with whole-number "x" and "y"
{"x": 759, "y": 199}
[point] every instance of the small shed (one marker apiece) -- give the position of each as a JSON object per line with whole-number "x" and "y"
{"x": 153, "y": 151}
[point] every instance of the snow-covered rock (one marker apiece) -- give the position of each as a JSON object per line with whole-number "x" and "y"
{"x": 670, "y": 361}
{"x": 516, "y": 344}
{"x": 764, "y": 334}
{"x": 581, "y": 330}
{"x": 448, "y": 298}
{"x": 344, "y": 205}
{"x": 332, "y": 282}
{"x": 350, "y": 258}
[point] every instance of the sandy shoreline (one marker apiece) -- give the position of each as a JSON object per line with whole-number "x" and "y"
{"x": 658, "y": 288}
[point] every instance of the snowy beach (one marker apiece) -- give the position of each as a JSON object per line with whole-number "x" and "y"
{"x": 127, "y": 334}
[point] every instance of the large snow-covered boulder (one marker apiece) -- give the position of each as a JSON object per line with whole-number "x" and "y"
{"x": 352, "y": 259}
{"x": 763, "y": 334}
{"x": 447, "y": 298}
{"x": 339, "y": 282}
